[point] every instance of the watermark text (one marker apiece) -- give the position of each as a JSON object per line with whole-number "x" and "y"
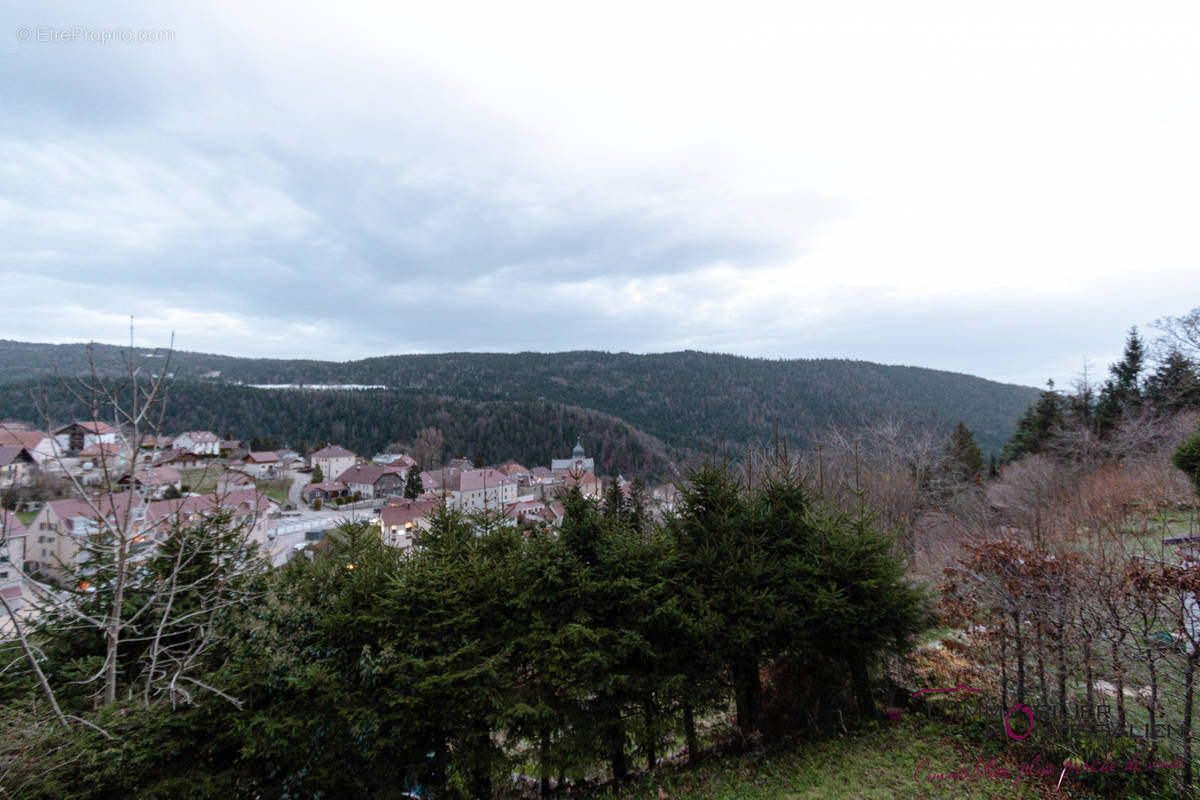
{"x": 50, "y": 34}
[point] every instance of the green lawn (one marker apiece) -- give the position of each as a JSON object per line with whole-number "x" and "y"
{"x": 27, "y": 517}
{"x": 277, "y": 489}
{"x": 203, "y": 480}
{"x": 875, "y": 763}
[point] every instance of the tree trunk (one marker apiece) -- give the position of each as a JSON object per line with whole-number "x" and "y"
{"x": 1061, "y": 669}
{"x": 651, "y": 760}
{"x": 1041, "y": 662}
{"x": 748, "y": 692}
{"x": 620, "y": 766}
{"x": 862, "y": 686}
{"x": 689, "y": 733}
{"x": 544, "y": 758}
{"x": 1020, "y": 643}
{"x": 113, "y": 624}
{"x": 437, "y": 770}
{"x": 1120, "y": 679}
{"x": 1150, "y": 661}
{"x": 1087, "y": 671}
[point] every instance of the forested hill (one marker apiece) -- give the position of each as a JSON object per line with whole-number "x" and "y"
{"x": 367, "y": 421}
{"x": 678, "y": 398}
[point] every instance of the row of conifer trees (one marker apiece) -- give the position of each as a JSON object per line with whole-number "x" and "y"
{"x": 486, "y": 651}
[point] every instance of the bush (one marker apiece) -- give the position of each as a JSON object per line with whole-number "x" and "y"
{"x": 1187, "y": 459}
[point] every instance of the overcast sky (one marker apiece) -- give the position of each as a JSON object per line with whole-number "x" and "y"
{"x": 1002, "y": 191}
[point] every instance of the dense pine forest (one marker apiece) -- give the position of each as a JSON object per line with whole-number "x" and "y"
{"x": 680, "y": 399}
{"x": 531, "y": 432}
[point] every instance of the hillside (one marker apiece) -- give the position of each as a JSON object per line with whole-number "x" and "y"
{"x": 678, "y": 398}
{"x": 367, "y": 421}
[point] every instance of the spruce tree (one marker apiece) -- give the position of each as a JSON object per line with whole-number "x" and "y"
{"x": 1036, "y": 426}
{"x": 1174, "y": 385}
{"x": 964, "y": 456}
{"x": 614, "y": 500}
{"x": 1122, "y": 392}
{"x": 1187, "y": 459}
{"x": 412, "y": 483}
{"x": 639, "y": 506}
{"x": 729, "y": 579}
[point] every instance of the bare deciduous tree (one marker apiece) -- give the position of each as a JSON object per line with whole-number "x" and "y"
{"x": 187, "y": 558}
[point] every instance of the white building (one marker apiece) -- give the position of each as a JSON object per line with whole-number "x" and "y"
{"x": 200, "y": 443}
{"x": 332, "y": 460}
{"x": 41, "y": 446}
{"x": 578, "y": 462}
{"x": 81, "y": 435}
{"x": 12, "y": 561}
{"x": 473, "y": 489}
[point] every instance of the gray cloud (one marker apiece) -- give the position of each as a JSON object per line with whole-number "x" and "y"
{"x": 291, "y": 188}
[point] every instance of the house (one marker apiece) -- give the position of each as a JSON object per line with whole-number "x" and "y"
{"x": 41, "y": 446}
{"x": 525, "y": 510}
{"x": 53, "y": 535}
{"x": 394, "y": 460}
{"x": 514, "y": 470}
{"x": 180, "y": 459}
{"x": 485, "y": 488}
{"x": 12, "y": 562}
{"x": 552, "y": 514}
{"x": 58, "y": 535}
{"x": 232, "y": 481}
{"x": 233, "y": 449}
{"x": 79, "y": 435}
{"x": 104, "y": 455}
{"x": 324, "y": 491}
{"x": 200, "y": 443}
{"x": 261, "y": 464}
{"x": 290, "y": 461}
{"x": 541, "y": 475}
{"x": 17, "y": 466}
{"x": 333, "y": 460}
{"x": 150, "y": 448}
{"x": 459, "y": 464}
{"x": 400, "y": 519}
{"x": 154, "y": 482}
{"x": 664, "y": 496}
{"x": 473, "y": 489}
{"x": 578, "y": 462}
{"x": 587, "y": 482}
{"x": 373, "y": 480}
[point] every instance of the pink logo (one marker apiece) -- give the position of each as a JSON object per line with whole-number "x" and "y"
{"x": 1028, "y": 713}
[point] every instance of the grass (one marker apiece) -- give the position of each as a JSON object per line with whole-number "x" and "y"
{"x": 277, "y": 489}
{"x": 873, "y": 763}
{"x": 27, "y": 517}
{"x": 202, "y": 480}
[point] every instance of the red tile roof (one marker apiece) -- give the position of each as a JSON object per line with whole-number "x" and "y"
{"x": 369, "y": 473}
{"x": 403, "y": 512}
{"x": 11, "y": 526}
{"x": 97, "y": 428}
{"x": 27, "y": 439}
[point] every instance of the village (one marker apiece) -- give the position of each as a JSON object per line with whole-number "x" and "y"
{"x": 287, "y": 500}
